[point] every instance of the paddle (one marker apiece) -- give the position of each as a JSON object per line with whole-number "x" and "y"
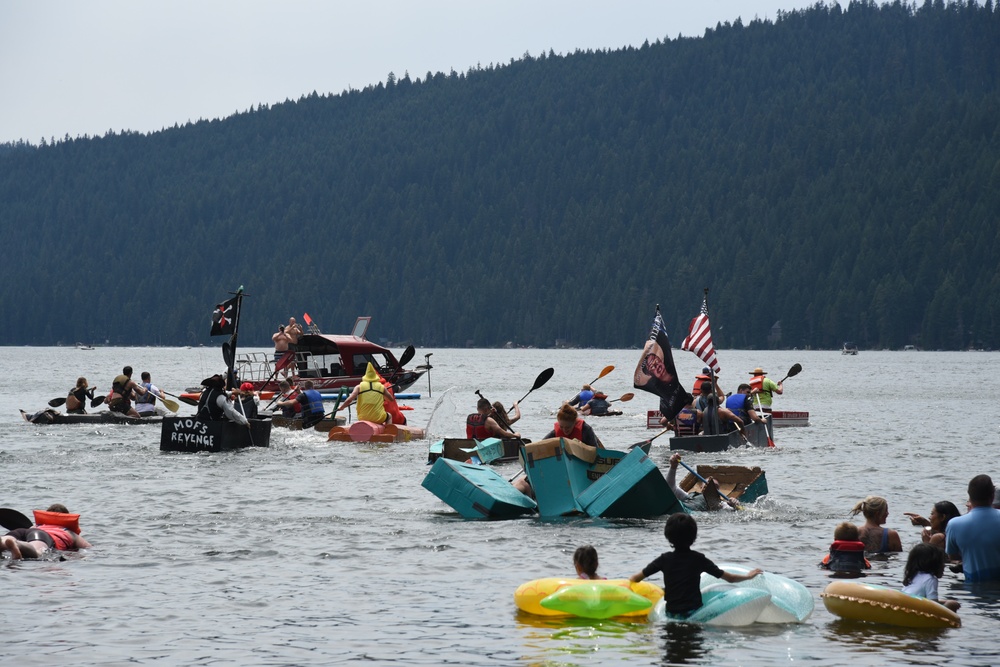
{"x": 500, "y": 418}
{"x": 173, "y": 406}
{"x": 792, "y": 372}
{"x": 403, "y": 360}
{"x": 56, "y": 402}
{"x": 12, "y": 519}
{"x": 540, "y": 381}
{"x": 770, "y": 442}
{"x": 97, "y": 400}
{"x": 607, "y": 369}
{"x": 625, "y": 398}
{"x": 729, "y": 501}
{"x": 184, "y": 399}
{"x": 650, "y": 440}
{"x": 94, "y": 402}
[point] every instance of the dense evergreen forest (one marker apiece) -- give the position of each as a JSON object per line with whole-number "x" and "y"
{"x": 831, "y": 175}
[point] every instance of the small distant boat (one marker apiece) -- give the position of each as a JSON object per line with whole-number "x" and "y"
{"x": 849, "y": 348}
{"x": 102, "y": 417}
{"x": 81, "y": 346}
{"x": 740, "y": 483}
{"x": 790, "y": 418}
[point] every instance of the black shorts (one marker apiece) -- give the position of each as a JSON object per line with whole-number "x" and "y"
{"x": 37, "y": 534}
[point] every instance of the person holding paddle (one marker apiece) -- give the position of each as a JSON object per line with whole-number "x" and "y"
{"x": 123, "y": 388}
{"x": 482, "y": 424}
{"x": 146, "y": 404}
{"x": 75, "y": 400}
{"x": 764, "y": 388}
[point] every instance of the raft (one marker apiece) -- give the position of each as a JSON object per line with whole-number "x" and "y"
{"x": 365, "y": 431}
{"x": 878, "y": 604}
{"x": 191, "y": 434}
{"x": 791, "y": 602}
{"x": 103, "y": 417}
{"x": 476, "y": 491}
{"x": 587, "y": 598}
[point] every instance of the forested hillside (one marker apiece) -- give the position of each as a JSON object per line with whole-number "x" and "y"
{"x": 836, "y": 171}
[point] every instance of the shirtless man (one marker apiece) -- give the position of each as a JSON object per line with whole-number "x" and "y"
{"x": 293, "y": 331}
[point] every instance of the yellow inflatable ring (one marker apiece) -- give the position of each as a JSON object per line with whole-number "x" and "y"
{"x": 529, "y": 595}
{"x": 868, "y": 602}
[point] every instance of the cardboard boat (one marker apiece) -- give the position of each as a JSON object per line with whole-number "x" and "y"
{"x": 475, "y": 491}
{"x": 754, "y": 435}
{"x": 740, "y": 483}
{"x": 365, "y": 431}
{"x": 490, "y": 450}
{"x": 102, "y": 417}
{"x": 191, "y": 434}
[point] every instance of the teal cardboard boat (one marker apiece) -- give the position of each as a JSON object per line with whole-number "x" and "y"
{"x": 475, "y": 491}
{"x": 634, "y": 488}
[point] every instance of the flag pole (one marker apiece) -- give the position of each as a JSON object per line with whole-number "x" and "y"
{"x": 231, "y": 360}
{"x": 711, "y": 374}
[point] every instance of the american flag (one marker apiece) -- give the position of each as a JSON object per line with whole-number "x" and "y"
{"x": 699, "y": 339}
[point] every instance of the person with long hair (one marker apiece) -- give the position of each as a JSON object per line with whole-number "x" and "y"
{"x": 934, "y": 527}
{"x": 876, "y": 538}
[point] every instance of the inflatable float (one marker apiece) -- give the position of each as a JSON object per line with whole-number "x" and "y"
{"x": 790, "y": 602}
{"x": 878, "y": 604}
{"x": 587, "y": 598}
{"x": 721, "y": 605}
{"x": 364, "y": 431}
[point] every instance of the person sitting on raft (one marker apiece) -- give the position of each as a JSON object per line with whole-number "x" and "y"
{"x": 717, "y": 419}
{"x": 585, "y": 562}
{"x": 370, "y": 395}
{"x": 481, "y": 424}
{"x": 847, "y": 553}
{"x": 36, "y": 541}
{"x": 707, "y": 501}
{"x": 683, "y": 566}
{"x": 597, "y": 406}
{"x": 214, "y": 405}
{"x": 583, "y": 397}
{"x": 249, "y": 401}
{"x": 77, "y": 397}
{"x": 123, "y": 388}
{"x": 569, "y": 425}
{"x": 311, "y": 402}
{"x": 876, "y": 538}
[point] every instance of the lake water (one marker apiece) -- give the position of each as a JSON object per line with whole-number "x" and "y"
{"x": 315, "y": 553}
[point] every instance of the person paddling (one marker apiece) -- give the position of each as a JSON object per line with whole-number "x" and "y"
{"x": 370, "y": 395}
{"x": 77, "y": 397}
{"x": 123, "y": 389}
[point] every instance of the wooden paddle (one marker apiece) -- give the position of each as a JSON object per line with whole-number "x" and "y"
{"x": 173, "y": 406}
{"x": 792, "y": 372}
{"x": 540, "y": 381}
{"x": 625, "y": 398}
{"x": 12, "y": 519}
{"x": 732, "y": 502}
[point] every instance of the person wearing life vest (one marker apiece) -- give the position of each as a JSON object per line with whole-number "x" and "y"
{"x": 214, "y": 405}
{"x": 311, "y": 402}
{"x": 583, "y": 397}
{"x": 146, "y": 404}
{"x": 481, "y": 424}
{"x": 123, "y": 387}
{"x": 249, "y": 400}
{"x": 764, "y": 389}
{"x": 597, "y": 406}
{"x": 370, "y": 395}
{"x": 75, "y": 400}
{"x": 35, "y": 541}
{"x": 741, "y": 405}
{"x": 847, "y": 553}
{"x": 569, "y": 425}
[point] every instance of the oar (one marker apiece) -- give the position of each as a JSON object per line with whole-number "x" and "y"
{"x": 56, "y": 402}
{"x": 770, "y": 442}
{"x": 540, "y": 381}
{"x": 650, "y": 440}
{"x": 184, "y": 399}
{"x": 607, "y": 369}
{"x": 168, "y": 404}
{"x": 792, "y": 372}
{"x": 94, "y": 402}
{"x": 403, "y": 360}
{"x": 12, "y": 519}
{"x": 97, "y": 400}
{"x": 625, "y": 398}
{"x": 729, "y": 501}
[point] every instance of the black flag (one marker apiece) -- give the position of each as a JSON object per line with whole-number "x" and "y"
{"x": 656, "y": 373}
{"x": 224, "y": 318}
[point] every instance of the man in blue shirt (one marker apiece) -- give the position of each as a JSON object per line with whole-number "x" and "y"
{"x": 974, "y": 538}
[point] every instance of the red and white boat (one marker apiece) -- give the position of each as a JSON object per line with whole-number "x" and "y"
{"x": 331, "y": 361}
{"x": 790, "y": 418}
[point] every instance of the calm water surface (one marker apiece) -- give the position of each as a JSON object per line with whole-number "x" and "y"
{"x": 315, "y": 553}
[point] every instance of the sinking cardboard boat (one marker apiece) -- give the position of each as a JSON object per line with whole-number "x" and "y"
{"x": 741, "y": 483}
{"x": 364, "y": 431}
{"x": 490, "y": 450}
{"x": 475, "y": 491}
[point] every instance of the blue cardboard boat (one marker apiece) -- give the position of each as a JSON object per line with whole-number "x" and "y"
{"x": 633, "y": 489}
{"x": 476, "y": 492}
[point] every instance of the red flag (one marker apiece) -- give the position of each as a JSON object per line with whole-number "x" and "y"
{"x": 699, "y": 339}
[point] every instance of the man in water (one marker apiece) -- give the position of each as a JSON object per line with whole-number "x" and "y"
{"x": 974, "y": 538}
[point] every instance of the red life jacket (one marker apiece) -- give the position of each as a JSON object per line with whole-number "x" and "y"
{"x": 846, "y": 556}
{"x": 475, "y": 427}
{"x": 575, "y": 434}
{"x": 61, "y": 536}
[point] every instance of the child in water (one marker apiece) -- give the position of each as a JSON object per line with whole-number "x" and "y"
{"x": 847, "y": 553}
{"x": 924, "y": 567}
{"x": 585, "y": 562}
{"x": 683, "y": 566}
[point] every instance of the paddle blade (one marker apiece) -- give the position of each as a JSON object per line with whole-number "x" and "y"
{"x": 97, "y": 400}
{"x": 407, "y": 356}
{"x": 56, "y": 402}
{"x": 793, "y": 371}
{"x": 11, "y": 519}
{"x": 770, "y": 443}
{"x": 173, "y": 406}
{"x": 542, "y": 378}
{"x": 626, "y": 397}
{"x": 607, "y": 369}
{"x": 188, "y": 400}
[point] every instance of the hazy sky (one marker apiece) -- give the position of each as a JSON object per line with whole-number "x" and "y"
{"x": 86, "y": 66}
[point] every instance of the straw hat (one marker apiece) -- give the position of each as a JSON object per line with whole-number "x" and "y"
{"x": 758, "y": 371}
